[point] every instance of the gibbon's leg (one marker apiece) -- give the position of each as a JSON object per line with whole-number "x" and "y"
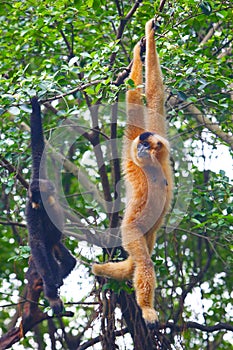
{"x": 66, "y": 260}
{"x": 154, "y": 85}
{"x": 151, "y": 235}
{"x": 48, "y": 270}
{"x": 122, "y": 270}
{"x": 144, "y": 277}
{"x": 150, "y": 240}
{"x": 135, "y": 117}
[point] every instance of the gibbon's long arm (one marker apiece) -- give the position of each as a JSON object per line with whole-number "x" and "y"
{"x": 155, "y": 121}
{"x": 37, "y": 142}
{"x": 135, "y": 115}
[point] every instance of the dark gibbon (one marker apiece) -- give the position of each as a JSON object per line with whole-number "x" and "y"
{"x": 45, "y": 220}
{"x": 148, "y": 178}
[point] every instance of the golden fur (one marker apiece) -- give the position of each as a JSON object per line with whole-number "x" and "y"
{"x": 148, "y": 179}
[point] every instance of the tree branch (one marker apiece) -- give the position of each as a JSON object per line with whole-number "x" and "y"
{"x": 29, "y": 310}
{"x": 13, "y": 170}
{"x": 161, "y": 5}
{"x": 210, "y": 125}
{"x": 142, "y": 337}
{"x": 72, "y": 168}
{"x": 99, "y": 338}
{"x": 73, "y": 91}
{"x": 211, "y": 32}
{"x": 12, "y": 223}
{"x": 118, "y": 7}
{"x": 195, "y": 325}
{"x": 192, "y": 284}
{"x": 213, "y": 127}
{"x": 16, "y": 333}
{"x": 70, "y": 49}
{"x": 122, "y": 25}
{"x": 123, "y": 75}
{"x": 116, "y": 168}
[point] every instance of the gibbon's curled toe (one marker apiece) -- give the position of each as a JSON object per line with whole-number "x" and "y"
{"x": 148, "y": 178}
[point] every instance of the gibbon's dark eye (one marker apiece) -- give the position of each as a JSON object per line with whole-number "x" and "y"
{"x": 146, "y": 144}
{"x": 159, "y": 144}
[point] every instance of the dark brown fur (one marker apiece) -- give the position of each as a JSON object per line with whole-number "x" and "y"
{"x": 45, "y": 221}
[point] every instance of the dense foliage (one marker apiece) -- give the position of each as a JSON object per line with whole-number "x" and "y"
{"x": 74, "y": 55}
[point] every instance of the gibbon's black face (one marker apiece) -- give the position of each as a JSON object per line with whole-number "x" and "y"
{"x": 36, "y": 200}
{"x": 144, "y": 145}
{"x": 148, "y": 143}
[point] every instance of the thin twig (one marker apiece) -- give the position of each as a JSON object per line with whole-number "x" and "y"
{"x": 122, "y": 25}
{"x": 13, "y": 170}
{"x": 73, "y": 91}
{"x": 195, "y": 325}
{"x": 161, "y": 5}
{"x": 12, "y": 223}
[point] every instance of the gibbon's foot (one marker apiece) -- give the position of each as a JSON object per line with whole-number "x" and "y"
{"x": 67, "y": 267}
{"x": 97, "y": 269}
{"x": 56, "y": 305}
{"x": 119, "y": 270}
{"x": 155, "y": 24}
{"x": 104, "y": 269}
{"x": 150, "y": 315}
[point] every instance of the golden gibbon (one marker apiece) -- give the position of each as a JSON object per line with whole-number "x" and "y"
{"x": 148, "y": 178}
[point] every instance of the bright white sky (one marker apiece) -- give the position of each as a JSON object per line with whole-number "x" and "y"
{"x": 216, "y": 160}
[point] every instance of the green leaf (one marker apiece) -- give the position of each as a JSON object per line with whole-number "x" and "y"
{"x": 130, "y": 82}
